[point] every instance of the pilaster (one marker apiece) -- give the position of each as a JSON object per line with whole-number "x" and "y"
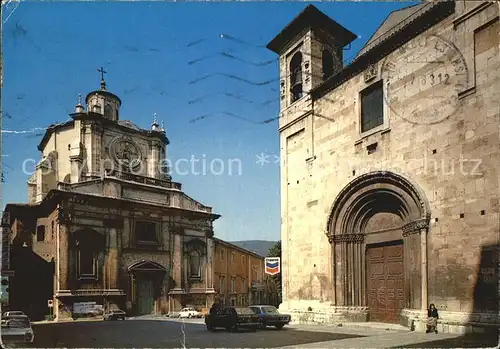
{"x": 178, "y": 256}
{"x": 154, "y": 160}
{"x": 112, "y": 260}
{"x": 89, "y": 145}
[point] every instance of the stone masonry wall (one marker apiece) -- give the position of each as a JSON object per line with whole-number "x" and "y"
{"x": 454, "y": 161}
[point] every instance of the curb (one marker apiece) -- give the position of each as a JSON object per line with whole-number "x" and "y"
{"x": 66, "y": 321}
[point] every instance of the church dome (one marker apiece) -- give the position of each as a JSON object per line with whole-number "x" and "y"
{"x": 103, "y": 102}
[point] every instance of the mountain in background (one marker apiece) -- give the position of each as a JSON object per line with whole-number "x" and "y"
{"x": 261, "y": 247}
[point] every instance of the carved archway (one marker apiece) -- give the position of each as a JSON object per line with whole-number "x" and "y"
{"x": 353, "y": 211}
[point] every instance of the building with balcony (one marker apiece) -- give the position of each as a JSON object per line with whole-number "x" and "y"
{"x": 390, "y": 167}
{"x": 105, "y": 223}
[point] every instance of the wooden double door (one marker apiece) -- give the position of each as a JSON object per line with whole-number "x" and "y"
{"x": 385, "y": 281}
{"x": 145, "y": 297}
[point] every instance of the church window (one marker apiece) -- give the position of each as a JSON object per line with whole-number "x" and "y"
{"x": 87, "y": 246}
{"x": 86, "y": 263}
{"x": 86, "y": 259}
{"x": 195, "y": 264}
{"x": 145, "y": 233}
{"x": 40, "y": 233}
{"x": 327, "y": 64}
{"x": 108, "y": 111}
{"x": 296, "y": 76}
{"x": 372, "y": 107}
{"x": 232, "y": 257}
{"x": 221, "y": 255}
{"x": 52, "y": 231}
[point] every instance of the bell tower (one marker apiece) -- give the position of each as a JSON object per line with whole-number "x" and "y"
{"x": 310, "y": 50}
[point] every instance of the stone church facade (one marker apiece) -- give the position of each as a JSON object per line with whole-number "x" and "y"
{"x": 390, "y": 167}
{"x": 105, "y": 223}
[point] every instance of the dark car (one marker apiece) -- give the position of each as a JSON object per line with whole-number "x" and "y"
{"x": 114, "y": 315}
{"x": 232, "y": 319}
{"x": 270, "y": 316}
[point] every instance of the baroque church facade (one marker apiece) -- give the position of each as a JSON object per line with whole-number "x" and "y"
{"x": 390, "y": 167}
{"x": 105, "y": 223}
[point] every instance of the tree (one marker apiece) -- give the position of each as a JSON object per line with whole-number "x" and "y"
{"x": 275, "y": 251}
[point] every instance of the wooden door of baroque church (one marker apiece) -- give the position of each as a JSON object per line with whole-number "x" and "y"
{"x": 145, "y": 297}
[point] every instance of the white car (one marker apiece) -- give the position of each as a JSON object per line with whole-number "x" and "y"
{"x": 17, "y": 329}
{"x": 189, "y": 313}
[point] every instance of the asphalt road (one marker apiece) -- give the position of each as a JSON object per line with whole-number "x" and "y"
{"x": 133, "y": 333}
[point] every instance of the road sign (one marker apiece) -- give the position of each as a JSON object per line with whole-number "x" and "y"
{"x": 272, "y": 265}
{"x": 50, "y": 303}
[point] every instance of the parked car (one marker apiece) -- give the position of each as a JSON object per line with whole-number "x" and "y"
{"x": 17, "y": 329}
{"x": 270, "y": 316}
{"x": 114, "y": 315}
{"x": 13, "y": 313}
{"x": 232, "y": 319}
{"x": 189, "y": 313}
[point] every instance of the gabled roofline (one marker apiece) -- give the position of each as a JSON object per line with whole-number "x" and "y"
{"x": 380, "y": 26}
{"x": 241, "y": 249}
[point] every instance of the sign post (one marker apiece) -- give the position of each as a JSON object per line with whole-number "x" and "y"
{"x": 272, "y": 265}
{"x": 50, "y": 304}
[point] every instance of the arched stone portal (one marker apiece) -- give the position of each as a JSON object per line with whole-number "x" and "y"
{"x": 377, "y": 228}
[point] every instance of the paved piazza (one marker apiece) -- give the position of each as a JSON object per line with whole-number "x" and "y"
{"x": 164, "y": 333}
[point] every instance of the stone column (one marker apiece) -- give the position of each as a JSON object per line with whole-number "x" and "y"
{"x": 154, "y": 160}
{"x": 112, "y": 260}
{"x": 352, "y": 271}
{"x": 177, "y": 261}
{"x": 209, "y": 267}
{"x": 75, "y": 168}
{"x": 89, "y": 145}
{"x": 410, "y": 231}
{"x": 423, "y": 247}
{"x": 98, "y": 131}
{"x": 63, "y": 257}
{"x": 331, "y": 240}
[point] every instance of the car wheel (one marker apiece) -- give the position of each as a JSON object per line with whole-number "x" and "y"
{"x": 279, "y": 327}
{"x": 253, "y": 329}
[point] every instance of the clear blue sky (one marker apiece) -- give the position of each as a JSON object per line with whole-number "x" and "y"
{"x": 52, "y": 50}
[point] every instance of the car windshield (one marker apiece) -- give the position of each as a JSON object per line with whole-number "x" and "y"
{"x": 255, "y": 310}
{"x": 244, "y": 311}
{"x": 270, "y": 310}
{"x": 18, "y": 322}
